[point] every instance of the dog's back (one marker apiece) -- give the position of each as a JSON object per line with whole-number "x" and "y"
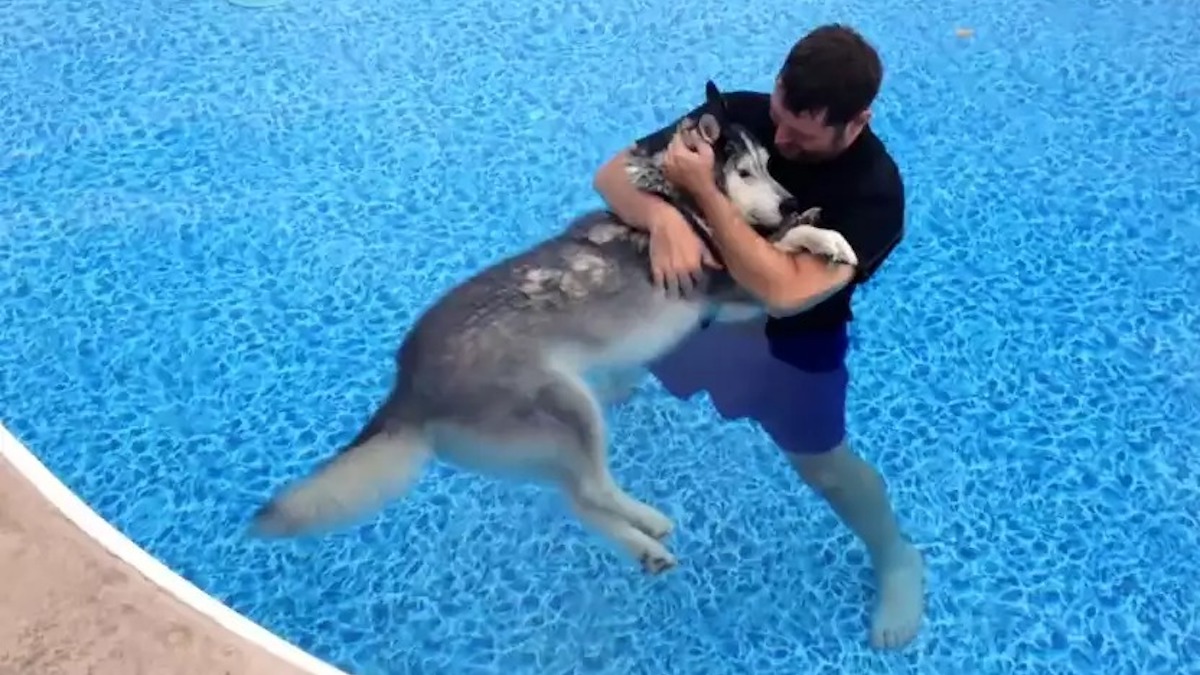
{"x": 581, "y": 301}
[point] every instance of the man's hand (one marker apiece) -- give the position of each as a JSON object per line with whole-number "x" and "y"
{"x": 677, "y": 253}
{"x": 689, "y": 162}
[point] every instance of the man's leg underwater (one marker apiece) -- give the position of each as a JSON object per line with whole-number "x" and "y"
{"x": 796, "y": 391}
{"x": 808, "y": 421}
{"x": 857, "y": 494}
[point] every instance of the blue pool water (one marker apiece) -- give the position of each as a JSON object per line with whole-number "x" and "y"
{"x": 217, "y": 223}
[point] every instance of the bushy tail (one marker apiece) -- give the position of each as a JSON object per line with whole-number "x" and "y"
{"x": 376, "y": 468}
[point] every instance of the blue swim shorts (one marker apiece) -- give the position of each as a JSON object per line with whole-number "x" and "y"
{"x": 794, "y": 386}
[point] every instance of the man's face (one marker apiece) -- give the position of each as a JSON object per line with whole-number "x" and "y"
{"x": 805, "y": 137}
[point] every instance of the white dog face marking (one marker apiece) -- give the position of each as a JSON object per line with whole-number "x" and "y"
{"x": 758, "y": 196}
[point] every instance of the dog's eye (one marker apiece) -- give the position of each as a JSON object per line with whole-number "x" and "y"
{"x": 742, "y": 173}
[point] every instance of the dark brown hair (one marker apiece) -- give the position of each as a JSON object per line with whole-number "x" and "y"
{"x": 834, "y": 69}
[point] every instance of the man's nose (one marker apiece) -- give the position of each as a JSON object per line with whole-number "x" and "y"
{"x": 784, "y": 136}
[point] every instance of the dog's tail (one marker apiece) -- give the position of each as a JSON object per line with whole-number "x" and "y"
{"x": 378, "y": 466}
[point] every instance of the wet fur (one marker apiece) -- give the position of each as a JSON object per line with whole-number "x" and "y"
{"x": 508, "y": 371}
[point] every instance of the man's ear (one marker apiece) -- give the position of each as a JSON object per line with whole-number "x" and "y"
{"x": 860, "y": 121}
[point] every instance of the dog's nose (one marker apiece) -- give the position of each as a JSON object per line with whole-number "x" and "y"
{"x": 789, "y": 207}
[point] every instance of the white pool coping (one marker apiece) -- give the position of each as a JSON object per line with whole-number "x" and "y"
{"x": 107, "y": 536}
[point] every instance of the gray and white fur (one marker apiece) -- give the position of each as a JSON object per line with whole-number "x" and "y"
{"x": 507, "y": 373}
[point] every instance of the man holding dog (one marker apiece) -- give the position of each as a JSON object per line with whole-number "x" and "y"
{"x": 790, "y": 374}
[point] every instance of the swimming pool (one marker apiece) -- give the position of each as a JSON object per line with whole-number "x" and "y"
{"x": 217, "y": 223}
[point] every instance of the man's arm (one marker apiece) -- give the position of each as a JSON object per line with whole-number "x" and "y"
{"x": 677, "y": 254}
{"x": 638, "y": 208}
{"x": 786, "y": 283}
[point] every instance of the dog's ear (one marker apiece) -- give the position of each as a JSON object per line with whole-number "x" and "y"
{"x": 716, "y": 102}
{"x": 709, "y": 128}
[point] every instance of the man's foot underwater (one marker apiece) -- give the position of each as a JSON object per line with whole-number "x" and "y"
{"x": 901, "y": 605}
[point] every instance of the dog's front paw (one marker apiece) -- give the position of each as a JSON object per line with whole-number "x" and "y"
{"x": 818, "y": 241}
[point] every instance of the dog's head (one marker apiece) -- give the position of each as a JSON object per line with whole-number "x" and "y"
{"x": 740, "y": 166}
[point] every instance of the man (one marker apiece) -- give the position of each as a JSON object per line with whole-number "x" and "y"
{"x": 790, "y": 373}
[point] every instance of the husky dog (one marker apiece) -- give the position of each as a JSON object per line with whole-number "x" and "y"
{"x": 508, "y": 372}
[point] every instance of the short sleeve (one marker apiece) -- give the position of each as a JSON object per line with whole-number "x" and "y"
{"x": 873, "y": 225}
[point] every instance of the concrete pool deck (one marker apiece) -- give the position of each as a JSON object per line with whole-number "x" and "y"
{"x": 77, "y": 597}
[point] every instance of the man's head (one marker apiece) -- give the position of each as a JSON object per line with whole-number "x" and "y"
{"x": 823, "y": 93}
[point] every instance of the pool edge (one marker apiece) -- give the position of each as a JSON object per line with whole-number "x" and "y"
{"x": 102, "y": 533}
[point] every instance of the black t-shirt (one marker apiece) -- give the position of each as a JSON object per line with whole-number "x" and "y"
{"x": 860, "y": 192}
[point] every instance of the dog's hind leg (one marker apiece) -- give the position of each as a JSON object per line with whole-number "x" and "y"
{"x": 596, "y": 505}
{"x": 561, "y": 413}
{"x": 594, "y": 471}
{"x": 640, "y": 514}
